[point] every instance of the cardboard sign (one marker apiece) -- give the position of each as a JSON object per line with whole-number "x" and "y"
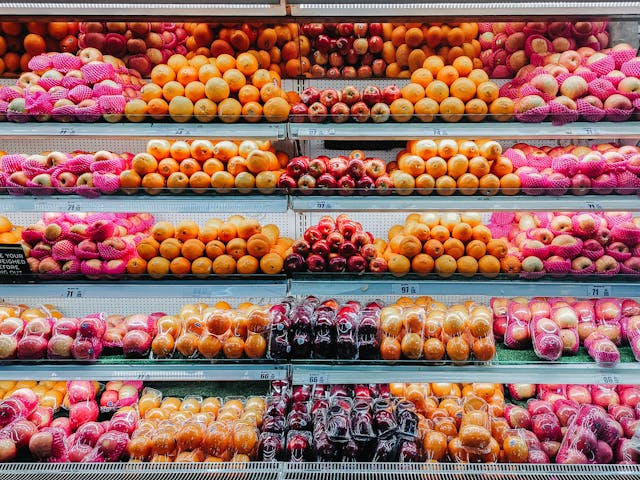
{"x": 13, "y": 263}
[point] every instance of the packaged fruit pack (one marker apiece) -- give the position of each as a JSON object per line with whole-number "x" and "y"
{"x": 201, "y": 331}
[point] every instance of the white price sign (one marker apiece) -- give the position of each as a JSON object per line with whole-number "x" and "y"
{"x": 608, "y": 380}
{"x": 317, "y": 378}
{"x": 267, "y": 375}
{"x": 73, "y": 292}
{"x": 593, "y": 206}
{"x": 405, "y": 289}
{"x": 323, "y": 205}
{"x": 599, "y": 291}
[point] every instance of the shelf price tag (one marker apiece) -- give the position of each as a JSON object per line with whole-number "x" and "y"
{"x": 67, "y": 131}
{"x": 608, "y": 380}
{"x": 72, "y": 292}
{"x": 599, "y": 291}
{"x": 72, "y": 206}
{"x": 315, "y": 378}
{"x": 405, "y": 289}
{"x": 593, "y": 206}
{"x": 323, "y": 205}
{"x": 202, "y": 292}
{"x": 182, "y": 131}
{"x": 266, "y": 375}
{"x": 439, "y": 132}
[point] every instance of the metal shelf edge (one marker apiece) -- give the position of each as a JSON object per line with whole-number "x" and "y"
{"x": 508, "y": 373}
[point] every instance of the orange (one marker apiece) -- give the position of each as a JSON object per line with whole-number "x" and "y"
{"x": 479, "y": 166}
{"x": 501, "y": 166}
{"x": 248, "y": 93}
{"x": 237, "y": 248}
{"x": 179, "y": 150}
{"x": 180, "y": 266}
{"x": 194, "y": 91}
{"x": 170, "y": 248}
{"x": 252, "y": 112}
{"x": 413, "y": 92}
{"x": 201, "y": 267}
{"x": 433, "y": 63}
{"x": 192, "y": 249}
{"x": 187, "y": 74}
{"x": 447, "y": 74}
{"x": 276, "y": 110}
{"x": 172, "y": 89}
{"x": 401, "y": 110}
{"x": 208, "y": 71}
{"x": 510, "y": 184}
{"x": 478, "y": 76}
{"x": 181, "y": 109}
{"x": 464, "y": 65}
{"x": 453, "y": 247}
{"x": 482, "y": 233}
{"x": 501, "y": 109}
{"x": 463, "y": 88}
{"x": 247, "y": 63}
{"x": 476, "y": 249}
{"x": 487, "y": 91}
{"x": 271, "y": 263}
{"x": 437, "y": 90}
{"x": 422, "y": 76}
{"x": 467, "y": 184}
{"x": 158, "y": 108}
{"x": 235, "y": 79}
{"x": 398, "y": 264}
{"x": 260, "y": 78}
{"x": 426, "y": 109}
{"x": 455, "y": 37}
{"x": 489, "y": 266}
{"x": 224, "y": 265}
{"x": 225, "y": 62}
{"x": 436, "y": 167}
{"x": 177, "y": 61}
{"x": 445, "y": 265}
{"x": 462, "y": 231}
{"x": 248, "y": 265}
{"x": 229, "y": 110}
{"x": 489, "y": 184}
{"x": 150, "y": 91}
{"x": 158, "y": 267}
{"x": 422, "y": 264}
{"x": 135, "y": 110}
{"x": 452, "y": 109}
{"x": 269, "y": 91}
{"x": 467, "y": 266}
{"x": 457, "y": 165}
{"x": 216, "y": 89}
{"x": 34, "y": 44}
{"x": 205, "y": 110}
{"x": 162, "y": 74}
{"x": 186, "y": 230}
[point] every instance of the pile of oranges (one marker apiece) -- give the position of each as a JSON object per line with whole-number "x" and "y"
{"x": 445, "y": 244}
{"x": 200, "y": 166}
{"x": 194, "y": 429}
{"x": 424, "y": 329}
{"x": 225, "y": 88}
{"x": 453, "y": 92}
{"x": 21, "y": 41}
{"x": 213, "y": 331}
{"x": 9, "y": 233}
{"x": 454, "y": 418}
{"x": 447, "y": 167}
{"x": 238, "y": 245}
{"x": 406, "y": 46}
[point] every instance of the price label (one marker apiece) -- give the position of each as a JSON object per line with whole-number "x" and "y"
{"x": 323, "y": 205}
{"x": 73, "y": 292}
{"x": 202, "y": 292}
{"x": 182, "y": 131}
{"x": 13, "y": 263}
{"x": 599, "y": 291}
{"x": 608, "y": 380}
{"x": 439, "y": 132}
{"x": 67, "y": 131}
{"x": 267, "y": 375}
{"x": 144, "y": 376}
{"x": 593, "y": 206}
{"x": 405, "y": 289}
{"x": 315, "y": 378}
{"x": 72, "y": 206}
{"x": 317, "y": 132}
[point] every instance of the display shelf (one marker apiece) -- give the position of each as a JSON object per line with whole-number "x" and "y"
{"x": 386, "y": 8}
{"x": 412, "y": 284}
{"x": 157, "y": 8}
{"x": 146, "y": 370}
{"x": 214, "y": 288}
{"x": 263, "y": 131}
{"x": 152, "y": 204}
{"x": 411, "y": 372}
{"x": 458, "y": 203}
{"x": 314, "y": 471}
{"x": 411, "y": 131}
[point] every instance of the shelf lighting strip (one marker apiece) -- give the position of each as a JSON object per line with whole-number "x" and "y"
{"x": 471, "y": 8}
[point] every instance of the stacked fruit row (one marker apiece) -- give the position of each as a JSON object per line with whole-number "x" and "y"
{"x": 28, "y": 427}
{"x": 448, "y": 91}
{"x": 583, "y": 84}
{"x": 86, "y": 87}
{"x": 557, "y": 327}
{"x": 507, "y": 47}
{"x": 580, "y": 243}
{"x": 237, "y": 245}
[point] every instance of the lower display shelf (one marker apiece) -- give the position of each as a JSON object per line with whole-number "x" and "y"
{"x": 412, "y": 284}
{"x": 313, "y": 471}
{"x": 405, "y": 372}
{"x": 147, "y": 370}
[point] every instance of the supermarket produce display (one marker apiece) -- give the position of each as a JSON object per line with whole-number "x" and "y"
{"x": 213, "y": 276}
